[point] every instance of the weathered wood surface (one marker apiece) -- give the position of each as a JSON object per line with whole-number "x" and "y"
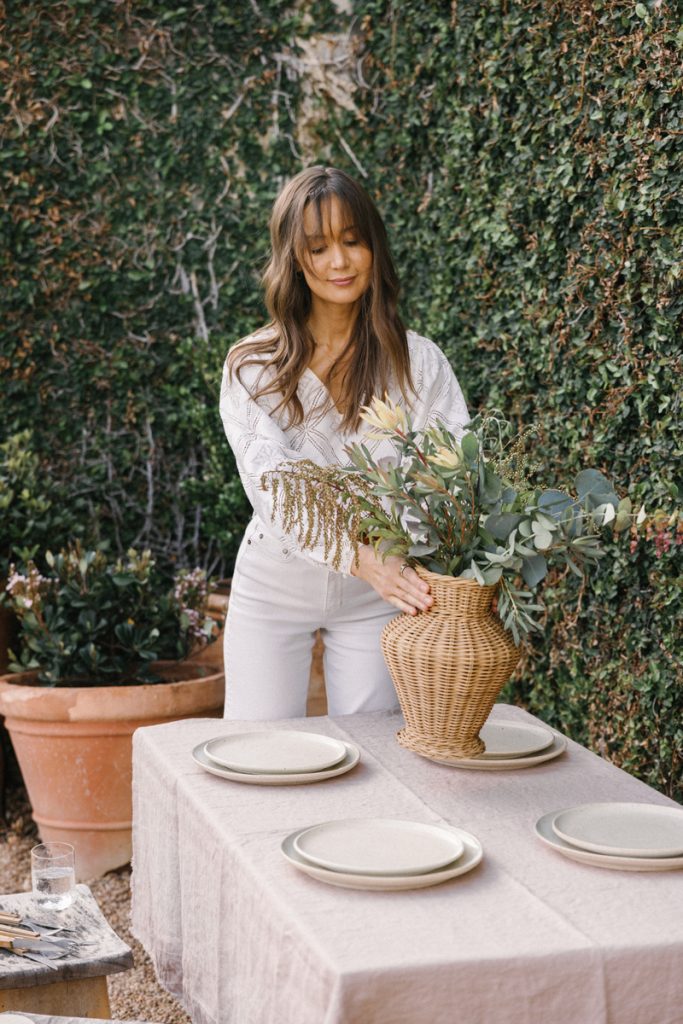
{"x": 85, "y": 997}
{"x": 38, "y": 1018}
{"x": 108, "y": 954}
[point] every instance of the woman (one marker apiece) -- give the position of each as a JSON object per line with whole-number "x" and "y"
{"x": 292, "y": 391}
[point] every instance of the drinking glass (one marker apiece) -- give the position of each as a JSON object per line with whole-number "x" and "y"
{"x": 53, "y": 875}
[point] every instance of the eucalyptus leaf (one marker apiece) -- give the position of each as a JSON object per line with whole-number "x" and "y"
{"x": 501, "y": 525}
{"x": 470, "y": 447}
{"x": 534, "y": 569}
{"x": 554, "y": 503}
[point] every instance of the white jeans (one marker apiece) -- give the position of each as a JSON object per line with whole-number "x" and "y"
{"x": 277, "y": 602}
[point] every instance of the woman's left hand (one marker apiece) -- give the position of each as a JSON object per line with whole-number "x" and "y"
{"x": 394, "y": 580}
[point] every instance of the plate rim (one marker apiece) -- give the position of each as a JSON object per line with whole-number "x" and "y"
{"x": 518, "y": 725}
{"x": 600, "y": 860}
{"x": 233, "y": 766}
{"x": 389, "y": 883}
{"x": 345, "y": 869}
{"x": 347, "y": 763}
{"x": 615, "y": 851}
{"x": 499, "y": 764}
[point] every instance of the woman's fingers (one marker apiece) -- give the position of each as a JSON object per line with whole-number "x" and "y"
{"x": 409, "y": 576}
{"x": 404, "y": 589}
{"x": 412, "y": 589}
{"x": 403, "y": 606}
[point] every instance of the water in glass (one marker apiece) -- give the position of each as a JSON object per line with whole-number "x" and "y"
{"x": 53, "y": 887}
{"x": 53, "y": 875}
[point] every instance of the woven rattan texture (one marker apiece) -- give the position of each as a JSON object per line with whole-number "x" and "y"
{"x": 448, "y": 666}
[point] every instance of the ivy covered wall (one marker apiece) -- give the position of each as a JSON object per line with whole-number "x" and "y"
{"x": 527, "y": 160}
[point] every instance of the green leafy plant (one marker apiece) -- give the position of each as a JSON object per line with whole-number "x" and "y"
{"x": 30, "y": 506}
{"x": 462, "y": 508}
{"x": 96, "y": 621}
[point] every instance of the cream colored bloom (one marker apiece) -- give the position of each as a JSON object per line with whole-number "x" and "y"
{"x": 446, "y": 457}
{"x": 386, "y": 417}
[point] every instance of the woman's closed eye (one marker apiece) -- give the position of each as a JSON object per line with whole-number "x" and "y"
{"x": 318, "y": 249}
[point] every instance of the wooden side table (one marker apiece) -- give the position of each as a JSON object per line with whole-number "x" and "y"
{"x": 78, "y": 988}
{"x": 38, "y": 1018}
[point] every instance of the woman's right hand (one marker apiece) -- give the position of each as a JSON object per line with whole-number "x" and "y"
{"x": 404, "y": 589}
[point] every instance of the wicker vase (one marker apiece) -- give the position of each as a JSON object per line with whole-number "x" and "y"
{"x": 448, "y": 666}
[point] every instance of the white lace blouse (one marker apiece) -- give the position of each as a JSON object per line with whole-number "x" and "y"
{"x": 261, "y": 442}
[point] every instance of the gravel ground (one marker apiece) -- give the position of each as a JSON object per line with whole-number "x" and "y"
{"x": 133, "y": 994}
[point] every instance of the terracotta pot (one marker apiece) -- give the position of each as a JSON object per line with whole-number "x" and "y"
{"x": 212, "y": 654}
{"x": 74, "y": 747}
{"x": 448, "y": 666}
{"x": 8, "y": 632}
{"x": 316, "y": 703}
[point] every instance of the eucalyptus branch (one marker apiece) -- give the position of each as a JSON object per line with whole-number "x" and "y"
{"x": 436, "y": 485}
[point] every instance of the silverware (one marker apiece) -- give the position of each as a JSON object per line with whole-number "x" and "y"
{"x": 40, "y": 958}
{"x": 11, "y": 920}
{"x": 22, "y": 933}
{"x": 7, "y": 917}
{"x": 39, "y": 926}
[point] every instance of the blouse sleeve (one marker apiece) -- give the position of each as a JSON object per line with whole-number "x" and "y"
{"x": 260, "y": 446}
{"x": 440, "y": 398}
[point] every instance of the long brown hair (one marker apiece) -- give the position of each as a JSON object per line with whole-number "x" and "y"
{"x": 377, "y": 353}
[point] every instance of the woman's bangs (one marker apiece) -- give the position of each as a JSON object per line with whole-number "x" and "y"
{"x": 354, "y": 215}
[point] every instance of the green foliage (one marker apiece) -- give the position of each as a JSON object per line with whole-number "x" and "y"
{"x": 526, "y": 158}
{"x": 96, "y": 621}
{"x": 32, "y": 509}
{"x": 458, "y": 507}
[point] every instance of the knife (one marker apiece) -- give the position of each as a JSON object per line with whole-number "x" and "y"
{"x": 19, "y": 931}
{"x": 8, "y": 944}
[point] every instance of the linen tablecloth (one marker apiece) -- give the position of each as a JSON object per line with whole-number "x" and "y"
{"x": 528, "y": 937}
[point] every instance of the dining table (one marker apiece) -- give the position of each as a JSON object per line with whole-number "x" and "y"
{"x": 528, "y": 936}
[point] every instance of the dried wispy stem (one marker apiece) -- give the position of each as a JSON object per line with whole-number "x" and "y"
{"x": 321, "y": 504}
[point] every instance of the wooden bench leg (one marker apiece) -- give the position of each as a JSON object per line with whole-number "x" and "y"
{"x": 85, "y": 997}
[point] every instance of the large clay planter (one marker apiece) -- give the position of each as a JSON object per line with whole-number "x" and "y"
{"x": 74, "y": 747}
{"x": 8, "y": 632}
{"x": 448, "y": 666}
{"x": 211, "y": 654}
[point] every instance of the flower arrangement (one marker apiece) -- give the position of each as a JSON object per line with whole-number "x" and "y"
{"x": 98, "y": 621}
{"x": 461, "y": 507}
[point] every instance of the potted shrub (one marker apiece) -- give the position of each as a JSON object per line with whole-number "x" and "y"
{"x": 31, "y": 514}
{"x": 104, "y": 645}
{"x": 468, "y": 516}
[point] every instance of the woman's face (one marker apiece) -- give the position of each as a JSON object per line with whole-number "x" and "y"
{"x": 338, "y": 265}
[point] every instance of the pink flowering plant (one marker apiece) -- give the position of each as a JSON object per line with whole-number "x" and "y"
{"x": 93, "y": 620}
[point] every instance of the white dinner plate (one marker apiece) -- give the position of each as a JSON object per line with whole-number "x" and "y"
{"x": 624, "y": 829}
{"x": 379, "y": 846}
{"x": 544, "y": 831}
{"x": 469, "y": 859}
{"x": 275, "y": 752}
{"x": 513, "y": 739}
{"x": 504, "y": 764}
{"x": 278, "y": 779}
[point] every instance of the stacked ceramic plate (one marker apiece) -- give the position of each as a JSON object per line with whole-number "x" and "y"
{"x": 621, "y": 836}
{"x": 512, "y": 745}
{"x": 276, "y": 757}
{"x": 382, "y": 854}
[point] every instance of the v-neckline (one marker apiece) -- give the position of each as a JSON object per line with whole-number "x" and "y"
{"x": 316, "y": 379}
